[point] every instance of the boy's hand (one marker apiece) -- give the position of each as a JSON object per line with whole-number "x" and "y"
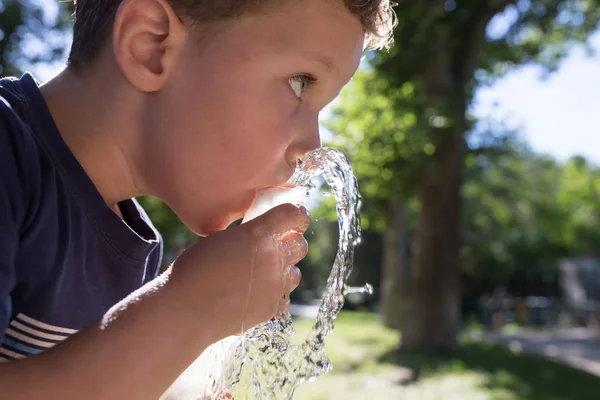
{"x": 235, "y": 279}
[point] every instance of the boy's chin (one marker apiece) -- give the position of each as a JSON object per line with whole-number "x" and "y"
{"x": 215, "y": 225}
{"x": 206, "y": 230}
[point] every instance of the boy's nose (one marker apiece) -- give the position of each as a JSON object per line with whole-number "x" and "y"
{"x": 306, "y": 142}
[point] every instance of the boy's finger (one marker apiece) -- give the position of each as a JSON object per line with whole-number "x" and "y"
{"x": 293, "y": 247}
{"x": 285, "y": 218}
{"x": 293, "y": 278}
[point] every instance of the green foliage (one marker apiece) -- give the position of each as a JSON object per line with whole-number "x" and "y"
{"x": 31, "y": 35}
{"x": 173, "y": 231}
{"x": 381, "y": 142}
{"x": 523, "y": 211}
{"x": 515, "y": 223}
{"x": 540, "y": 31}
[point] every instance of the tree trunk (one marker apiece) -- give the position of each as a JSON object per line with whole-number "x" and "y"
{"x": 432, "y": 307}
{"x": 394, "y": 272}
{"x": 433, "y": 304}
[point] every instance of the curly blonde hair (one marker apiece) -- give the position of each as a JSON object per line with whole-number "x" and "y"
{"x": 94, "y": 19}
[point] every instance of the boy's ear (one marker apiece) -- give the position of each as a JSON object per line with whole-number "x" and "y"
{"x": 147, "y": 35}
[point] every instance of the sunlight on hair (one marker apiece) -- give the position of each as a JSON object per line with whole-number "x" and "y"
{"x": 381, "y": 36}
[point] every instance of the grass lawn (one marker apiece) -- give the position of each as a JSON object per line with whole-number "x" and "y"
{"x": 366, "y": 366}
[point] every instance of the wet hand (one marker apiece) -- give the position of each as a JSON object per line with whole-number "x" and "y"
{"x": 237, "y": 278}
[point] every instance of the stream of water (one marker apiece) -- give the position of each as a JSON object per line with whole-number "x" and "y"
{"x": 264, "y": 363}
{"x": 266, "y": 360}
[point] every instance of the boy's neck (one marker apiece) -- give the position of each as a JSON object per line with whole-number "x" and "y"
{"x": 94, "y": 117}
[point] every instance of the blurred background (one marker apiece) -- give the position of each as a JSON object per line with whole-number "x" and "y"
{"x": 475, "y": 140}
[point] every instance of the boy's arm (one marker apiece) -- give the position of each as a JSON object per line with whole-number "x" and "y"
{"x": 144, "y": 343}
{"x": 137, "y": 356}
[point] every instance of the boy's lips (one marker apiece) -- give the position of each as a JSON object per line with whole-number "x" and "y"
{"x": 246, "y": 205}
{"x": 287, "y": 185}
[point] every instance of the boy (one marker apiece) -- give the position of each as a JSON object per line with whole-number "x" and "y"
{"x": 200, "y": 103}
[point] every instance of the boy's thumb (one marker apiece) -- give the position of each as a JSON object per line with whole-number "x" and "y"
{"x": 284, "y": 218}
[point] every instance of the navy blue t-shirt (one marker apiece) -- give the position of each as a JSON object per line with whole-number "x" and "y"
{"x": 65, "y": 256}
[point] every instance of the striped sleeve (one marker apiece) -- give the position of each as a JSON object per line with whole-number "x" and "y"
{"x": 12, "y": 205}
{"x": 26, "y": 336}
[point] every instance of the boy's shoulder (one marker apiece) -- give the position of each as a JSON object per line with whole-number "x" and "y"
{"x": 19, "y": 155}
{"x": 65, "y": 257}
{"x": 15, "y": 129}
{"x": 11, "y": 90}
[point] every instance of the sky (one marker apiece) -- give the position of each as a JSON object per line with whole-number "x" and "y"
{"x": 558, "y": 115}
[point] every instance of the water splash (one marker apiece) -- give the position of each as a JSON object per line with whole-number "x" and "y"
{"x": 265, "y": 357}
{"x": 263, "y": 363}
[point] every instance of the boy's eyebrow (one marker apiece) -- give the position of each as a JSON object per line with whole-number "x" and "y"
{"x": 322, "y": 58}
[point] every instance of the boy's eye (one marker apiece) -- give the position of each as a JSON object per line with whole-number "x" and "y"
{"x": 300, "y": 83}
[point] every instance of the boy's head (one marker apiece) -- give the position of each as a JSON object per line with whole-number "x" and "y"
{"x": 224, "y": 94}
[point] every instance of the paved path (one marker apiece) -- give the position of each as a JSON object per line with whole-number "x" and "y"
{"x": 579, "y": 348}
